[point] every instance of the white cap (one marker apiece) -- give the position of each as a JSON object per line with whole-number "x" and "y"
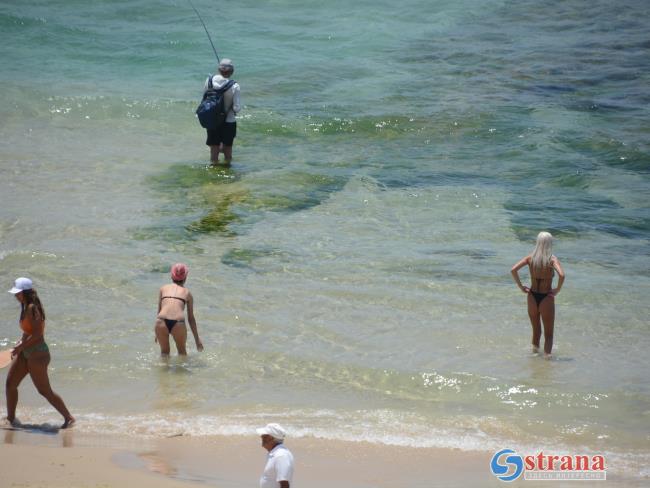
{"x": 21, "y": 284}
{"x": 274, "y": 430}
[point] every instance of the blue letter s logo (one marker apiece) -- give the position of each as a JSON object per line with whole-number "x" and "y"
{"x": 501, "y": 470}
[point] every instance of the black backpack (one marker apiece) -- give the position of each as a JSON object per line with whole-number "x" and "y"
{"x": 212, "y": 110}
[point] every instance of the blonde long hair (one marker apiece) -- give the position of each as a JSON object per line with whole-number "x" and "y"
{"x": 541, "y": 256}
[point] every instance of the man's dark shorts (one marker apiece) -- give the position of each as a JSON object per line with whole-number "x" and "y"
{"x": 223, "y": 135}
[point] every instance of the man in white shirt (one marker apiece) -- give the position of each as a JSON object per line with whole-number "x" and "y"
{"x": 224, "y": 136}
{"x": 278, "y": 471}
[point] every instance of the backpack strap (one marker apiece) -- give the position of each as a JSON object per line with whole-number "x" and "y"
{"x": 210, "y": 82}
{"x": 227, "y": 86}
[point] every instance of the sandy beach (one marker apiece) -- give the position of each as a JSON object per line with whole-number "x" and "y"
{"x": 66, "y": 459}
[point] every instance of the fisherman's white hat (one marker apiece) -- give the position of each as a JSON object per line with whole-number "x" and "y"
{"x": 226, "y": 64}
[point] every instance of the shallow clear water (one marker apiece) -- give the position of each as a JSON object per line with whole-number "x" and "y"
{"x": 351, "y": 271}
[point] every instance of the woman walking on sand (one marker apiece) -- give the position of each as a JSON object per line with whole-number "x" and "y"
{"x": 31, "y": 354}
{"x": 172, "y": 299}
{"x": 541, "y": 294}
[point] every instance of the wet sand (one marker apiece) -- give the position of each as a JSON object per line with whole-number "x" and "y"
{"x": 68, "y": 459}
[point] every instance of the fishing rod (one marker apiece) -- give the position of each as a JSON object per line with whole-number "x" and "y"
{"x": 206, "y": 30}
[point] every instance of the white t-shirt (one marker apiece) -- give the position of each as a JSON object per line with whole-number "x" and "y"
{"x": 279, "y": 467}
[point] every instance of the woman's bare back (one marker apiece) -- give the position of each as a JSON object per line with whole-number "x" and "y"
{"x": 541, "y": 280}
{"x": 172, "y": 302}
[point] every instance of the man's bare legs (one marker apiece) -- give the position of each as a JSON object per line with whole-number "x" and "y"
{"x": 214, "y": 154}
{"x": 227, "y": 154}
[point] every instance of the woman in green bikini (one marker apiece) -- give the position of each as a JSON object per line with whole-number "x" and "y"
{"x": 31, "y": 354}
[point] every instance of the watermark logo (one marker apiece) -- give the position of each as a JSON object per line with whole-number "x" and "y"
{"x": 507, "y": 465}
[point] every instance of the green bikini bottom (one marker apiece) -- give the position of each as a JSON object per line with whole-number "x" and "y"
{"x": 41, "y": 346}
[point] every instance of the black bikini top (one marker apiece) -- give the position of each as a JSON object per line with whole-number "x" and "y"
{"x": 174, "y": 296}
{"x": 177, "y": 298}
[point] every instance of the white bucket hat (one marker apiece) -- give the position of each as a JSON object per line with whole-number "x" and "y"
{"x": 274, "y": 430}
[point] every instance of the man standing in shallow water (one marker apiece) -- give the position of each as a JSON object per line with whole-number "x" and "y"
{"x": 278, "y": 471}
{"x": 223, "y": 137}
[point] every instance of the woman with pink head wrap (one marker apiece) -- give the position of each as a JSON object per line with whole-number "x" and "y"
{"x": 172, "y": 299}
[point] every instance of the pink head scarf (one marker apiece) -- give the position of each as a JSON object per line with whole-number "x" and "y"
{"x": 179, "y": 272}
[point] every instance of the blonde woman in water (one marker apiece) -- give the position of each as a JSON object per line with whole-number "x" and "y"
{"x": 172, "y": 299}
{"x": 541, "y": 294}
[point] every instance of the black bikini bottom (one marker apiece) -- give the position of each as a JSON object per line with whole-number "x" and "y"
{"x": 537, "y": 296}
{"x": 171, "y": 323}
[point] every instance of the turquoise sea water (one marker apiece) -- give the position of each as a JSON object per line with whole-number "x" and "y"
{"x": 351, "y": 271}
